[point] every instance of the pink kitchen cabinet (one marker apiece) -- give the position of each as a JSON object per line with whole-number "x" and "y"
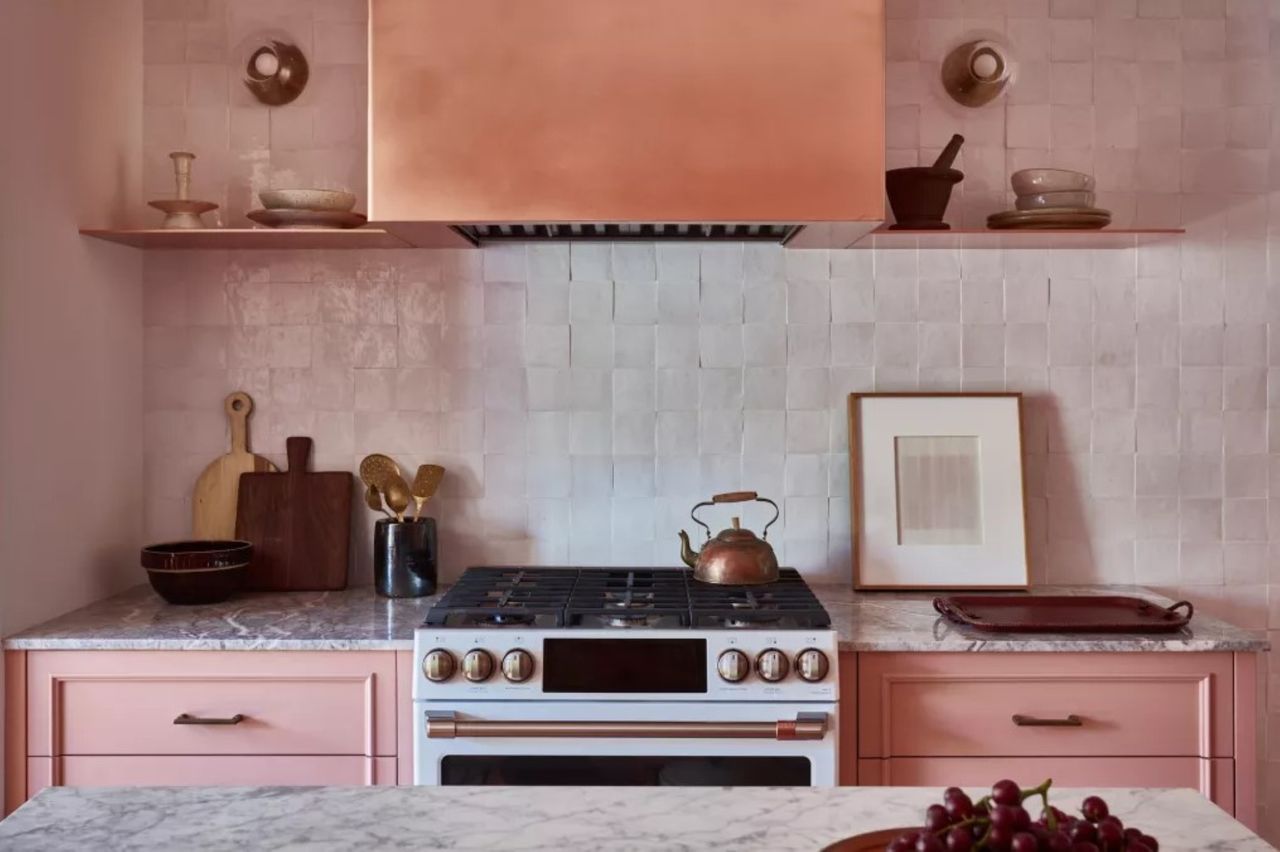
{"x": 88, "y": 718}
{"x": 187, "y": 770}
{"x": 1213, "y": 778}
{"x": 1085, "y": 719}
{"x": 404, "y": 721}
{"x": 964, "y": 704}
{"x": 848, "y": 719}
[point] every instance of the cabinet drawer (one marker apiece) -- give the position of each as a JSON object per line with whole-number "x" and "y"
{"x": 1212, "y": 777}
{"x": 203, "y": 770}
{"x": 125, "y": 703}
{"x": 940, "y": 705}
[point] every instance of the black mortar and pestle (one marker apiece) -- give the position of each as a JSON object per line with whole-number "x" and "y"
{"x": 919, "y": 194}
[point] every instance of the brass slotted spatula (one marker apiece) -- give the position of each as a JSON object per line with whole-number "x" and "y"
{"x": 378, "y": 470}
{"x": 425, "y": 484}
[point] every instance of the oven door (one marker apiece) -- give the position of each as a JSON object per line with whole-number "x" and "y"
{"x": 528, "y": 743}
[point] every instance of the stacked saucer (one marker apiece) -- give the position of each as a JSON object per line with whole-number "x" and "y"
{"x": 1052, "y": 198}
{"x": 303, "y": 209}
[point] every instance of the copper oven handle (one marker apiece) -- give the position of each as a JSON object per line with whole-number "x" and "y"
{"x": 806, "y": 726}
{"x": 188, "y": 719}
{"x": 1071, "y": 721}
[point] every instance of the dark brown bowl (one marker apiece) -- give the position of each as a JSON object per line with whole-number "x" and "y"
{"x": 871, "y": 841}
{"x": 197, "y": 572}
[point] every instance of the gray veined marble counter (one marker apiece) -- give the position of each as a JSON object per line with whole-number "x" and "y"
{"x": 558, "y": 819}
{"x": 357, "y": 619}
{"x": 907, "y": 621}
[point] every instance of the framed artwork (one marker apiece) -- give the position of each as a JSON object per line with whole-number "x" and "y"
{"x": 936, "y": 491}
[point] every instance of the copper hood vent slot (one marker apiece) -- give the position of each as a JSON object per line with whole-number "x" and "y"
{"x": 770, "y": 232}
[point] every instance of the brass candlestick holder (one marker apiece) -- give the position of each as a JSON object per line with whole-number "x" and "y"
{"x": 182, "y": 212}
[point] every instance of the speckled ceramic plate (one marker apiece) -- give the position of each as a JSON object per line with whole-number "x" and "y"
{"x": 310, "y": 220}
{"x": 1080, "y": 218}
{"x": 325, "y": 200}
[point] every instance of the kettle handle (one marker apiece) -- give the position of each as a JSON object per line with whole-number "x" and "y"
{"x": 736, "y": 497}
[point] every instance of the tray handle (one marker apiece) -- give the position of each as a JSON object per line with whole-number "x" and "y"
{"x": 1173, "y": 614}
{"x": 949, "y": 611}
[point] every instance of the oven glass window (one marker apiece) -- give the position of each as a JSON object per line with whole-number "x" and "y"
{"x": 628, "y": 771}
{"x": 624, "y": 665}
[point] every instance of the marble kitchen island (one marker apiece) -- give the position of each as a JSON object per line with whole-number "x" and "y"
{"x": 605, "y": 819}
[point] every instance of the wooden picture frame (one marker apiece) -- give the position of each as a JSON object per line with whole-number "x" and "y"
{"x": 936, "y": 505}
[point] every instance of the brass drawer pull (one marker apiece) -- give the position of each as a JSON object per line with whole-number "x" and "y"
{"x": 1072, "y": 721}
{"x": 188, "y": 719}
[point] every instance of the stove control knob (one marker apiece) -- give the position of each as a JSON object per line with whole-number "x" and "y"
{"x": 733, "y": 666}
{"x": 517, "y": 665}
{"x": 477, "y": 665}
{"x": 438, "y": 665}
{"x": 772, "y": 665}
{"x": 812, "y": 665}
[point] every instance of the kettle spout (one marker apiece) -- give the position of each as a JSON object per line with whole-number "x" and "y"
{"x": 687, "y": 553}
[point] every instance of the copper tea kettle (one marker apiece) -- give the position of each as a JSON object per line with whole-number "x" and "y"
{"x": 735, "y": 557}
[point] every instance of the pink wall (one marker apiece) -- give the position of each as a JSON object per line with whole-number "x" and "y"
{"x": 584, "y": 397}
{"x": 70, "y": 309}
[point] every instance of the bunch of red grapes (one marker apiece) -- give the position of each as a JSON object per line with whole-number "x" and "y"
{"x": 1000, "y": 822}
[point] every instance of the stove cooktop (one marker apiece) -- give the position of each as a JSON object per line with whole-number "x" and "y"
{"x": 497, "y": 597}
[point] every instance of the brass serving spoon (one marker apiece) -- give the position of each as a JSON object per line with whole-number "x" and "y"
{"x": 425, "y": 484}
{"x": 397, "y": 494}
{"x": 373, "y": 499}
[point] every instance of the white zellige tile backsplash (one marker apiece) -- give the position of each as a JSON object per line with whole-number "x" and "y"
{"x": 584, "y": 396}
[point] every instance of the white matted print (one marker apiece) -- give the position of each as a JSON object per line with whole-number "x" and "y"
{"x": 939, "y": 490}
{"x": 937, "y": 495}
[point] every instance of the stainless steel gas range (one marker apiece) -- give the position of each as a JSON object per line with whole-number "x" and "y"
{"x": 616, "y": 676}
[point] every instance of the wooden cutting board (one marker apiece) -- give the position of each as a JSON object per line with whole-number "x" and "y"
{"x": 299, "y": 523}
{"x": 213, "y": 503}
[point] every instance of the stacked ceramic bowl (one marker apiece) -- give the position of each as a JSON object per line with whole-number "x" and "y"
{"x": 1052, "y": 198}
{"x": 294, "y": 209}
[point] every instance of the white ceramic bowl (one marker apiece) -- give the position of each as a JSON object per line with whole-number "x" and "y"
{"x": 1042, "y": 200}
{"x": 323, "y": 200}
{"x": 1032, "y": 181}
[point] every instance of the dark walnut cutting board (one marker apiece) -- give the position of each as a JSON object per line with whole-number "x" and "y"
{"x": 299, "y": 523}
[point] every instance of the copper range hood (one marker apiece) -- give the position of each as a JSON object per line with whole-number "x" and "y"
{"x": 627, "y": 119}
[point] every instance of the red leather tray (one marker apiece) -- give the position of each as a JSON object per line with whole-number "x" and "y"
{"x": 1063, "y": 613}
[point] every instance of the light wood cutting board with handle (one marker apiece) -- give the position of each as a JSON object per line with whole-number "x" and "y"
{"x": 213, "y": 504}
{"x": 299, "y": 523}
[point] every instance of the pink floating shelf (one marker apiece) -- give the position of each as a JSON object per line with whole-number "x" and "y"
{"x": 368, "y": 237}
{"x": 436, "y": 236}
{"x": 985, "y": 238}
{"x": 250, "y": 238}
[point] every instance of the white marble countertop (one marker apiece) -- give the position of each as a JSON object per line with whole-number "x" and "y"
{"x": 907, "y": 621}
{"x": 602, "y": 819}
{"x": 357, "y": 619}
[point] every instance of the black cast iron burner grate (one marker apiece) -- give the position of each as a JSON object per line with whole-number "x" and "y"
{"x": 622, "y": 598}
